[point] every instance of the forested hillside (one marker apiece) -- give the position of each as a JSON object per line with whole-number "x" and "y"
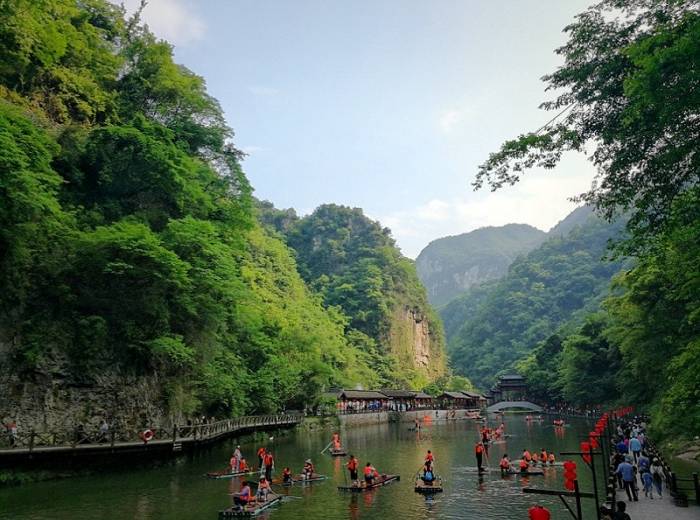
{"x": 354, "y": 264}
{"x": 449, "y": 266}
{"x": 135, "y": 280}
{"x": 627, "y": 94}
{"x": 492, "y": 326}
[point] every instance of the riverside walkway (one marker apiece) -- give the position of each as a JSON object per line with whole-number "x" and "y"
{"x": 658, "y": 509}
{"x": 34, "y": 446}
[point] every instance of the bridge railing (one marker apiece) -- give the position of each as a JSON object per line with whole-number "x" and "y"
{"x": 29, "y": 440}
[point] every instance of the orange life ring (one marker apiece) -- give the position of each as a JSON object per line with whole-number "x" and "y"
{"x": 147, "y": 435}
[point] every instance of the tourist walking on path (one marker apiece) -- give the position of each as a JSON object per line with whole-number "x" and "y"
{"x": 628, "y": 479}
{"x": 657, "y": 475}
{"x": 647, "y": 481}
{"x": 636, "y": 448}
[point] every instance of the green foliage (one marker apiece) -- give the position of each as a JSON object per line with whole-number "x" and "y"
{"x": 354, "y": 265}
{"x": 629, "y": 93}
{"x": 561, "y": 280}
{"x": 128, "y": 241}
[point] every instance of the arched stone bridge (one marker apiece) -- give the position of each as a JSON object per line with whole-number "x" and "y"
{"x": 506, "y": 405}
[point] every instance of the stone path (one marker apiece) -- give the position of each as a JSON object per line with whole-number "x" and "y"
{"x": 658, "y": 509}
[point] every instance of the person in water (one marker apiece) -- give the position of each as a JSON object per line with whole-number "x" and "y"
{"x": 244, "y": 496}
{"x": 287, "y": 476}
{"x": 479, "y": 452}
{"x": 352, "y": 466}
{"x": 505, "y": 464}
{"x": 370, "y": 474}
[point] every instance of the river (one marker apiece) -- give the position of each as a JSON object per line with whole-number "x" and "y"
{"x": 179, "y": 491}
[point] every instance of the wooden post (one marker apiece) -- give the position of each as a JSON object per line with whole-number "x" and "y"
{"x": 112, "y": 435}
{"x": 696, "y": 485}
{"x": 31, "y": 440}
{"x": 579, "y": 514}
{"x": 174, "y": 433}
{"x": 674, "y": 485}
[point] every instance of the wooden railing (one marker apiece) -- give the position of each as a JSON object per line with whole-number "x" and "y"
{"x": 176, "y": 434}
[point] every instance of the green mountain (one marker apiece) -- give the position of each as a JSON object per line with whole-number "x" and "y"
{"x": 354, "y": 264}
{"x": 136, "y": 283}
{"x": 449, "y": 266}
{"x": 492, "y": 326}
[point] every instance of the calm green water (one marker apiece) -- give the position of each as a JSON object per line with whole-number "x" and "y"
{"x": 179, "y": 490}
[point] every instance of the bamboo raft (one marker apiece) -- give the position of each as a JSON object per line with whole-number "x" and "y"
{"x": 381, "y": 481}
{"x": 225, "y": 474}
{"x": 250, "y": 510}
{"x": 299, "y": 479}
{"x": 434, "y": 487}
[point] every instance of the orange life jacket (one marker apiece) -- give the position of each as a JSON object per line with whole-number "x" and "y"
{"x": 527, "y": 456}
{"x": 242, "y": 466}
{"x": 523, "y": 464}
{"x": 267, "y": 459}
{"x": 479, "y": 448}
{"x": 368, "y": 470}
{"x": 261, "y": 452}
{"x": 505, "y": 463}
{"x": 352, "y": 465}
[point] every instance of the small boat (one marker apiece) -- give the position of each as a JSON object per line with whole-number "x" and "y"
{"x": 340, "y": 452}
{"x": 434, "y": 487}
{"x": 250, "y": 510}
{"x": 300, "y": 479}
{"x": 226, "y": 474}
{"x": 381, "y": 481}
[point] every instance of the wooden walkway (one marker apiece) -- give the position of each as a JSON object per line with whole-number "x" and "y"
{"x": 176, "y": 439}
{"x": 658, "y": 509}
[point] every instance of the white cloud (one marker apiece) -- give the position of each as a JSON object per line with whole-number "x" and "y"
{"x": 450, "y": 119}
{"x": 541, "y": 199}
{"x": 173, "y": 20}
{"x": 263, "y": 91}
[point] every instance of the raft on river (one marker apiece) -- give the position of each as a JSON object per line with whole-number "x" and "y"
{"x": 381, "y": 481}
{"x": 434, "y": 487}
{"x": 226, "y": 474}
{"x": 250, "y": 510}
{"x": 299, "y": 479}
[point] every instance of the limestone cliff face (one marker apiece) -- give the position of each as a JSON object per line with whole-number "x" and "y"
{"x": 416, "y": 339}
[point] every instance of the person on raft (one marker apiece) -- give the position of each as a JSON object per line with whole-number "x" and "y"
{"x": 370, "y": 474}
{"x": 308, "y": 470}
{"x": 244, "y": 496}
{"x": 428, "y": 476}
{"x": 416, "y": 421}
{"x": 551, "y": 459}
{"x": 526, "y": 456}
{"x": 479, "y": 452}
{"x": 505, "y": 465}
{"x": 243, "y": 465}
{"x": 269, "y": 464}
{"x": 543, "y": 457}
{"x": 261, "y": 456}
{"x": 523, "y": 465}
{"x": 352, "y": 466}
{"x": 286, "y": 476}
{"x": 236, "y": 458}
{"x": 263, "y": 489}
{"x": 429, "y": 459}
{"x": 335, "y": 440}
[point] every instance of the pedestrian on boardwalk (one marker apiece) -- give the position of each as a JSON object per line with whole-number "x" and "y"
{"x": 636, "y": 448}
{"x": 657, "y": 474}
{"x": 626, "y": 469}
{"x": 647, "y": 481}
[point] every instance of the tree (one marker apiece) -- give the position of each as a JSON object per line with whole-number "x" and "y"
{"x": 630, "y": 90}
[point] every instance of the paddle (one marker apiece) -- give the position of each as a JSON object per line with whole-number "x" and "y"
{"x": 324, "y": 449}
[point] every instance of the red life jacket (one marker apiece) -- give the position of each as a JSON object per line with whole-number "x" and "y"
{"x": 267, "y": 459}
{"x": 538, "y": 513}
{"x": 368, "y": 471}
{"x": 352, "y": 465}
{"x": 479, "y": 448}
{"x": 505, "y": 464}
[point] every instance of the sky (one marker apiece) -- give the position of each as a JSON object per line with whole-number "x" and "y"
{"x": 386, "y": 105}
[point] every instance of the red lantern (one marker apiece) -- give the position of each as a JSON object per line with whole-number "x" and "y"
{"x": 586, "y": 449}
{"x": 593, "y": 437}
{"x": 569, "y": 474}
